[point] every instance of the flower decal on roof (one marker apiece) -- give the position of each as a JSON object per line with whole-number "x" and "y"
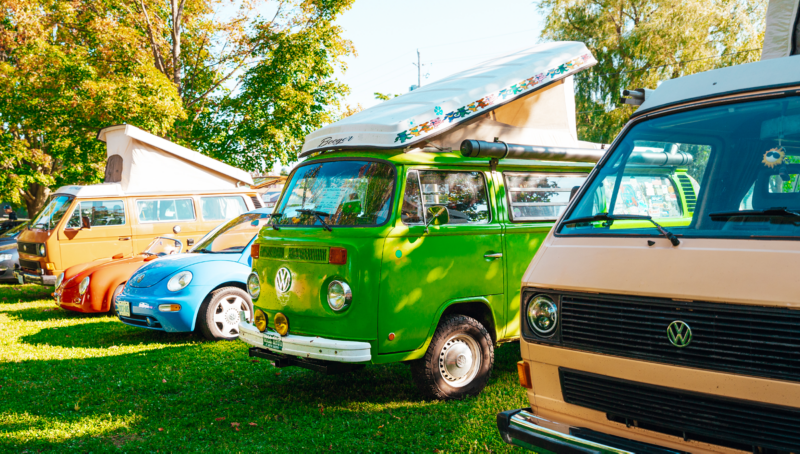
{"x": 489, "y": 100}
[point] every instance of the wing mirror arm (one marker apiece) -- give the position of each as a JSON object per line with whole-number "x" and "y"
{"x": 436, "y": 215}
{"x": 86, "y": 223}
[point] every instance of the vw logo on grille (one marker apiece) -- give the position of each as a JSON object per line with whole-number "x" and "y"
{"x": 679, "y": 333}
{"x": 283, "y": 280}
{"x": 138, "y": 279}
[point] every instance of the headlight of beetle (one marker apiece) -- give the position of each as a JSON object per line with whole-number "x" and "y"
{"x": 42, "y": 250}
{"x": 59, "y": 280}
{"x": 542, "y": 315}
{"x": 253, "y": 286}
{"x": 84, "y": 285}
{"x": 339, "y": 295}
{"x": 179, "y": 281}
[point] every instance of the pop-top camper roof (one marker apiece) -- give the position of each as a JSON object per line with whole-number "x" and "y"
{"x": 525, "y": 97}
{"x": 140, "y": 162}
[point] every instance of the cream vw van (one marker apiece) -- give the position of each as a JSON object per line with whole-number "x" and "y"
{"x": 152, "y": 188}
{"x": 638, "y": 336}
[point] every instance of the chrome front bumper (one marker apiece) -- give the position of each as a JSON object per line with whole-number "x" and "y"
{"x": 305, "y": 346}
{"x": 523, "y": 428}
{"x": 30, "y": 278}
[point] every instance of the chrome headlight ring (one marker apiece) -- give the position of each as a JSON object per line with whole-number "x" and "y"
{"x": 542, "y": 315}
{"x": 339, "y": 295}
{"x": 253, "y": 286}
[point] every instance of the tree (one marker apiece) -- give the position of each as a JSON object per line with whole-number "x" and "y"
{"x": 384, "y": 96}
{"x": 66, "y": 70}
{"x": 639, "y": 43}
{"x": 216, "y": 77}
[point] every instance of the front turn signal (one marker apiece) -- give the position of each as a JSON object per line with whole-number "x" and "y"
{"x": 524, "y": 371}
{"x": 254, "y": 250}
{"x": 281, "y": 324}
{"x": 260, "y": 320}
{"x": 337, "y": 256}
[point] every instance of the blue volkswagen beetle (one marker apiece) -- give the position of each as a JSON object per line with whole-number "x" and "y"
{"x": 204, "y": 289}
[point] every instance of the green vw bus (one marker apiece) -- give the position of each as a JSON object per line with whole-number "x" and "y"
{"x": 387, "y": 245}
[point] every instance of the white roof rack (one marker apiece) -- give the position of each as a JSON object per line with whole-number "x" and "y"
{"x": 494, "y": 99}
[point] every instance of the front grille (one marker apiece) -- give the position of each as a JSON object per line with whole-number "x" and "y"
{"x": 271, "y": 252}
{"x": 141, "y": 320}
{"x": 688, "y": 192}
{"x": 28, "y": 248}
{"x": 734, "y": 423}
{"x": 308, "y": 254}
{"x": 30, "y": 265}
{"x": 760, "y": 341}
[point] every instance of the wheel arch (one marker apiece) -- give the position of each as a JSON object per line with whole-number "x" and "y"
{"x": 478, "y": 308}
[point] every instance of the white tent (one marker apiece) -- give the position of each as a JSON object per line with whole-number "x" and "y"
{"x": 142, "y": 162}
{"x": 782, "y": 35}
{"x": 526, "y": 97}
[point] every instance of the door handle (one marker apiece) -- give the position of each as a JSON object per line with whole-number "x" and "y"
{"x": 125, "y": 238}
{"x": 495, "y": 255}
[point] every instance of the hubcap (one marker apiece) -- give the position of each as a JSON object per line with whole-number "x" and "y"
{"x": 459, "y": 360}
{"x": 226, "y": 315}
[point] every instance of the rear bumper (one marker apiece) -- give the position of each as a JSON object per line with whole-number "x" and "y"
{"x": 523, "y": 428}
{"x": 41, "y": 279}
{"x": 306, "y": 347}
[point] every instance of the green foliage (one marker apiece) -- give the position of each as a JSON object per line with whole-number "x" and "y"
{"x": 384, "y": 96}
{"x": 640, "y": 42}
{"x": 88, "y": 383}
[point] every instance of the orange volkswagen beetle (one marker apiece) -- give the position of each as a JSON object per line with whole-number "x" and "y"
{"x": 93, "y": 287}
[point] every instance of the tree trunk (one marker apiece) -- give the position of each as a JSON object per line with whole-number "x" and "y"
{"x": 177, "y": 17}
{"x": 35, "y": 198}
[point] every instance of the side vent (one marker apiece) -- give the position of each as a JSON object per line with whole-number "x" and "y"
{"x": 308, "y": 254}
{"x": 271, "y": 252}
{"x": 688, "y": 192}
{"x": 257, "y": 201}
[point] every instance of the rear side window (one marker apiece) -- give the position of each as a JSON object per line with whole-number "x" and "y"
{"x": 539, "y": 196}
{"x": 100, "y": 213}
{"x": 463, "y": 193}
{"x": 222, "y": 208}
{"x": 158, "y": 210}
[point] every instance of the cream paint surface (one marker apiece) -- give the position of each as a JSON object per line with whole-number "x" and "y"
{"x": 757, "y": 272}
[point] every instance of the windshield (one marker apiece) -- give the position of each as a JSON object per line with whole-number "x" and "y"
{"x": 163, "y": 246}
{"x": 716, "y": 172}
{"x": 340, "y": 193}
{"x": 234, "y": 235}
{"x": 13, "y": 233}
{"x": 52, "y": 213}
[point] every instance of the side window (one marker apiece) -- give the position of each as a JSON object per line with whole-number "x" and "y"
{"x": 463, "y": 193}
{"x": 156, "y": 210}
{"x": 539, "y": 196}
{"x": 221, "y": 208}
{"x": 100, "y": 213}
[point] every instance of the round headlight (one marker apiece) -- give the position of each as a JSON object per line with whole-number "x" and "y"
{"x": 179, "y": 281}
{"x": 543, "y": 315}
{"x": 281, "y": 324}
{"x": 42, "y": 250}
{"x": 83, "y": 285}
{"x": 253, "y": 286}
{"x": 260, "y": 320}
{"x": 339, "y": 295}
{"x": 59, "y": 280}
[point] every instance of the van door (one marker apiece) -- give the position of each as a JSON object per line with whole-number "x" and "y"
{"x": 110, "y": 232}
{"x": 534, "y": 200}
{"x": 164, "y": 216}
{"x": 459, "y": 260}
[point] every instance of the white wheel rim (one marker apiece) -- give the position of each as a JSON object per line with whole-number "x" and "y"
{"x": 459, "y": 360}
{"x": 226, "y": 315}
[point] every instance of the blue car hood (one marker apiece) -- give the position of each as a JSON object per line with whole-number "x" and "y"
{"x": 155, "y": 271}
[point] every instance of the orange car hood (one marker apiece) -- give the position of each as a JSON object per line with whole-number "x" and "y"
{"x": 103, "y": 268}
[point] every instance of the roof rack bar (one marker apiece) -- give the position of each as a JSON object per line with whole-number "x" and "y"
{"x": 500, "y": 150}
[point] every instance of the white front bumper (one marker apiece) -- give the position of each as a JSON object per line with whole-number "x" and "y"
{"x": 305, "y": 346}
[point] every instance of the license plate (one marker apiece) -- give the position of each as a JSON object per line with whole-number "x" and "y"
{"x": 272, "y": 341}
{"x": 20, "y": 279}
{"x": 124, "y": 308}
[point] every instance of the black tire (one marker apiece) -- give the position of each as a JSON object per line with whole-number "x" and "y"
{"x": 215, "y": 319}
{"x": 112, "y": 308}
{"x": 431, "y": 374}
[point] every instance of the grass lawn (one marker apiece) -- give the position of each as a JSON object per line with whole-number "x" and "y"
{"x": 91, "y": 384}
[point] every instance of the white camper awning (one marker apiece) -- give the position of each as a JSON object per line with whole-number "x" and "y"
{"x": 782, "y": 34}
{"x": 147, "y": 163}
{"x": 525, "y": 97}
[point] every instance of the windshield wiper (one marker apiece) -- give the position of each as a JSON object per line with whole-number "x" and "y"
{"x": 774, "y": 211}
{"x": 627, "y": 217}
{"x": 319, "y": 215}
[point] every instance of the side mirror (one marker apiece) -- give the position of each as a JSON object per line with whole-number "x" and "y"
{"x": 572, "y": 192}
{"x": 437, "y": 215}
{"x": 86, "y": 223}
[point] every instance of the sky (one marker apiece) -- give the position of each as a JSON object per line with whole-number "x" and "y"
{"x": 451, "y": 35}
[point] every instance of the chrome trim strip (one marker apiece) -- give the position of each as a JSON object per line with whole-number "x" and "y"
{"x": 530, "y": 422}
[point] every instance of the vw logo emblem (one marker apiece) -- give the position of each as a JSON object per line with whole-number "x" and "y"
{"x": 283, "y": 280}
{"x": 679, "y": 333}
